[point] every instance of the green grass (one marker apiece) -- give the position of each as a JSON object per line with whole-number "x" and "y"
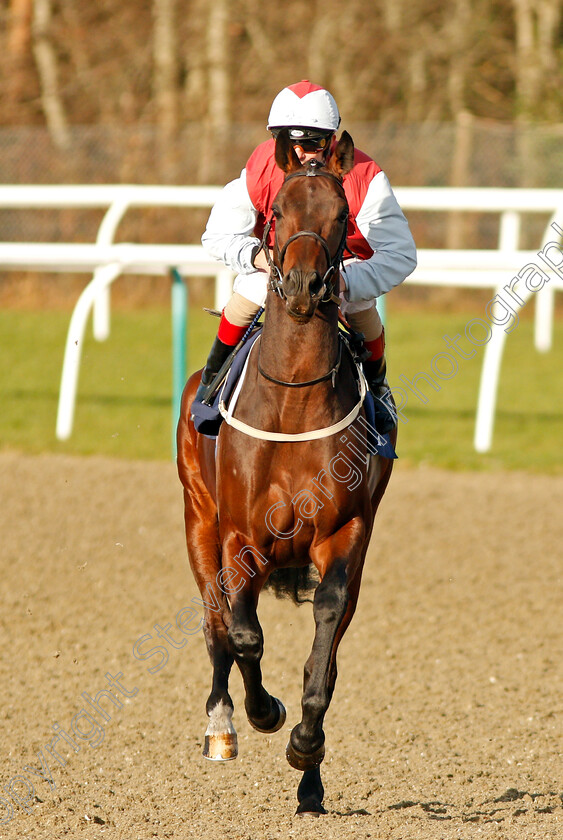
{"x": 124, "y": 395}
{"x": 528, "y": 429}
{"x": 123, "y": 407}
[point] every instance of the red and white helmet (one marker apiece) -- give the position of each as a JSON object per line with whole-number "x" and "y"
{"x": 304, "y": 104}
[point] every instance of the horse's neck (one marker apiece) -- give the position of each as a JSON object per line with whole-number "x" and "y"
{"x": 298, "y": 352}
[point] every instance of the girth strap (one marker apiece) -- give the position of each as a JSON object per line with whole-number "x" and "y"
{"x": 314, "y": 434}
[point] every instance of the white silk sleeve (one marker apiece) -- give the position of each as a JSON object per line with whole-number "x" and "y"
{"x": 229, "y": 234}
{"x": 383, "y": 225}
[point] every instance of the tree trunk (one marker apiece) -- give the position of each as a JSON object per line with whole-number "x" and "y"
{"x": 46, "y": 61}
{"x": 19, "y": 40}
{"x": 457, "y": 82}
{"x": 165, "y": 78}
{"x": 217, "y": 120}
{"x": 459, "y": 177}
{"x": 320, "y": 41}
{"x": 537, "y": 71}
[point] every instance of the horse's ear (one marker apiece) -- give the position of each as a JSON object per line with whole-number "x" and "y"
{"x": 342, "y": 159}
{"x": 286, "y": 158}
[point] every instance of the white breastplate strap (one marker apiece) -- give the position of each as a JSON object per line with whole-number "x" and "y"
{"x": 314, "y": 434}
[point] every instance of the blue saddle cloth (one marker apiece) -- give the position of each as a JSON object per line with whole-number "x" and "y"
{"x": 208, "y": 418}
{"x": 377, "y": 444}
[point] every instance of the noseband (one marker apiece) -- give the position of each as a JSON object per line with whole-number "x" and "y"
{"x": 326, "y": 293}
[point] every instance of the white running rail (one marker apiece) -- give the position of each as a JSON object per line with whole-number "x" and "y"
{"x": 106, "y": 260}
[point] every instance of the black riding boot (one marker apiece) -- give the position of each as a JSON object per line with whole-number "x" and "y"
{"x": 217, "y": 356}
{"x": 385, "y": 415}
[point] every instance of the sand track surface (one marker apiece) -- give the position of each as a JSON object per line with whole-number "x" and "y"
{"x": 447, "y": 716}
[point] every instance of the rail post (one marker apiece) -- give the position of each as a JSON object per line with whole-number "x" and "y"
{"x": 179, "y": 331}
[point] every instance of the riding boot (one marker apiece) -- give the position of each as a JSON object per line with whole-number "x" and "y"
{"x": 217, "y": 356}
{"x": 385, "y": 416}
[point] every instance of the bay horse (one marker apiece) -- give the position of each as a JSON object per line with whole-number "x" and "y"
{"x": 249, "y": 506}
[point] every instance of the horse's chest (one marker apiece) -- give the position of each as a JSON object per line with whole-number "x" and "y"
{"x": 292, "y": 493}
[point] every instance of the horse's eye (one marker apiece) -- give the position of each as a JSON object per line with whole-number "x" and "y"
{"x": 276, "y": 211}
{"x": 343, "y": 216}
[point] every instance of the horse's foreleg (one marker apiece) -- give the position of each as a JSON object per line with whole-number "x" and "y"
{"x": 333, "y": 607}
{"x": 265, "y": 713}
{"x": 310, "y": 793}
{"x": 320, "y": 672}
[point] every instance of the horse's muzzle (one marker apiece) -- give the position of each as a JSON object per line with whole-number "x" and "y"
{"x": 302, "y": 291}
{"x": 301, "y": 312}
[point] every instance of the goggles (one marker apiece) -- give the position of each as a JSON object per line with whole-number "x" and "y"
{"x": 310, "y": 145}
{"x": 308, "y": 140}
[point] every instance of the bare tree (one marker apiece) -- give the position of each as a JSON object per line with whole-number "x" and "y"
{"x": 459, "y": 28}
{"x": 321, "y": 44}
{"x": 537, "y": 45}
{"x": 537, "y": 28}
{"x": 46, "y": 61}
{"x": 218, "y": 64}
{"x": 218, "y": 113}
{"x": 165, "y": 82}
{"x": 165, "y": 73}
{"x": 19, "y": 40}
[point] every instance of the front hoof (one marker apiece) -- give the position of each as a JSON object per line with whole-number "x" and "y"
{"x": 304, "y": 761}
{"x": 310, "y": 807}
{"x": 278, "y": 713}
{"x": 223, "y": 747}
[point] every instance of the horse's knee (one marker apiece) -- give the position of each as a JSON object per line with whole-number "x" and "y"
{"x": 247, "y": 643}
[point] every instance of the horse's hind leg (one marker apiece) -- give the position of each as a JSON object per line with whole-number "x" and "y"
{"x": 202, "y": 538}
{"x": 205, "y": 560}
{"x": 220, "y": 735}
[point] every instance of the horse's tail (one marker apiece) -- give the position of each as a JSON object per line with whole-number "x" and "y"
{"x": 294, "y": 583}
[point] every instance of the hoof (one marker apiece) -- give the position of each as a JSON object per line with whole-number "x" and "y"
{"x": 310, "y": 807}
{"x": 304, "y": 761}
{"x": 280, "y": 721}
{"x": 220, "y": 747}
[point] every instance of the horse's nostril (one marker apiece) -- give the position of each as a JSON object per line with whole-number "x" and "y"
{"x": 298, "y": 282}
{"x": 291, "y": 282}
{"x": 316, "y": 284}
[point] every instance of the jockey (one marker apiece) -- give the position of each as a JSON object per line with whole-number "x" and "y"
{"x": 378, "y": 234}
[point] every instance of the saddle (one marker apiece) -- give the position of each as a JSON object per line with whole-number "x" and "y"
{"x": 207, "y": 418}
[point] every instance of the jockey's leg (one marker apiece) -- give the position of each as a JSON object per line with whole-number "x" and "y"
{"x": 364, "y": 318}
{"x": 235, "y": 319}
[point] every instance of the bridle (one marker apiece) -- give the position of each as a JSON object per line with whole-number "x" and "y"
{"x": 326, "y": 293}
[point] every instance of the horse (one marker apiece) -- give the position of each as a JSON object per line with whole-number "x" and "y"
{"x": 278, "y": 493}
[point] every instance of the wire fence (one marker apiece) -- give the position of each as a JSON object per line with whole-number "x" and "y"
{"x": 472, "y": 152}
{"x": 416, "y": 154}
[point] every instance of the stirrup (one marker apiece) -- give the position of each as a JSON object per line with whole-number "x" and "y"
{"x": 202, "y": 388}
{"x": 207, "y": 390}
{"x": 385, "y": 413}
{"x": 216, "y": 367}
